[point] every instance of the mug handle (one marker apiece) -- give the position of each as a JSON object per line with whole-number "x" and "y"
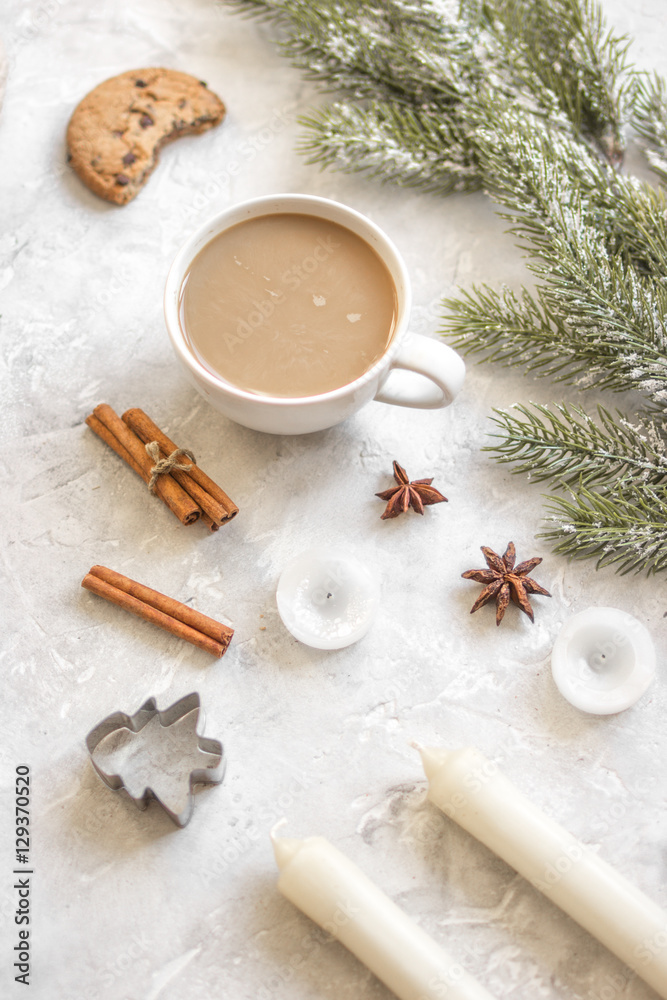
{"x": 433, "y": 361}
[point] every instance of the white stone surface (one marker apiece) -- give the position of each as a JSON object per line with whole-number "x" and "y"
{"x": 126, "y": 907}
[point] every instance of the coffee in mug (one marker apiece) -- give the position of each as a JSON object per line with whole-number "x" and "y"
{"x": 288, "y": 305}
{"x": 308, "y": 323}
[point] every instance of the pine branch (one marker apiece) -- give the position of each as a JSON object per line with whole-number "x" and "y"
{"x": 617, "y": 473}
{"x": 390, "y": 50}
{"x": 650, "y": 120}
{"x": 626, "y": 528}
{"x": 394, "y": 143}
{"x": 511, "y": 329}
{"x": 635, "y": 209}
{"x": 570, "y": 54}
{"x": 565, "y": 445}
{"x": 598, "y": 246}
{"x": 552, "y": 186}
{"x": 432, "y": 57}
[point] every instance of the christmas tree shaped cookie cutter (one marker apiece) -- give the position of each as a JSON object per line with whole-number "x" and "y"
{"x": 158, "y": 755}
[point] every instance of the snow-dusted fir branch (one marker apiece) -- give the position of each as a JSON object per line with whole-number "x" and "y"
{"x": 625, "y": 527}
{"x": 432, "y": 57}
{"x": 396, "y": 143}
{"x": 416, "y": 54}
{"x": 564, "y": 49}
{"x": 598, "y": 246}
{"x": 567, "y": 446}
{"x": 650, "y": 120}
{"x": 405, "y": 71}
{"x": 554, "y": 188}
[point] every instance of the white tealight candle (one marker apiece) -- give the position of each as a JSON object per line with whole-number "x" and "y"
{"x": 472, "y": 791}
{"x": 333, "y": 892}
{"x": 327, "y": 598}
{"x": 603, "y": 660}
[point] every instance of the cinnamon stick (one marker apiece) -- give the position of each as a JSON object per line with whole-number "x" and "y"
{"x": 105, "y": 434}
{"x": 109, "y": 426}
{"x": 211, "y": 498}
{"x": 165, "y": 612}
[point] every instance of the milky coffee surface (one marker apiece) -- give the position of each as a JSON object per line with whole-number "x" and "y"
{"x": 288, "y": 305}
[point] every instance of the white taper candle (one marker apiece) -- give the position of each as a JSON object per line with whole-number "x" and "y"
{"x": 471, "y": 790}
{"x": 333, "y": 892}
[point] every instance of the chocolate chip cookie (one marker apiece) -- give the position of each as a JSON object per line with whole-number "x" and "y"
{"x": 118, "y": 129}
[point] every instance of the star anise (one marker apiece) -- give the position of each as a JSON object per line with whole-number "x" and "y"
{"x": 504, "y": 580}
{"x": 417, "y": 494}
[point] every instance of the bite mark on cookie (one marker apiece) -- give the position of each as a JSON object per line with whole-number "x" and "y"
{"x": 116, "y": 132}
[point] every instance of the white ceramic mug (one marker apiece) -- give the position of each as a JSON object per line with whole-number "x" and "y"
{"x": 439, "y": 370}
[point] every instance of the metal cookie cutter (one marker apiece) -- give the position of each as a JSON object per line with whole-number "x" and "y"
{"x": 178, "y": 760}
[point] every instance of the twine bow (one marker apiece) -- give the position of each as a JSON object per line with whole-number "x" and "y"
{"x": 164, "y": 465}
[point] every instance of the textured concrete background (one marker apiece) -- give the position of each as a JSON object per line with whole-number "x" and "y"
{"x": 126, "y": 907}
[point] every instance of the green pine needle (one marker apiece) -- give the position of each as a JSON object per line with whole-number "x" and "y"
{"x": 598, "y": 247}
{"x": 565, "y": 49}
{"x": 626, "y": 528}
{"x": 650, "y": 120}
{"x": 395, "y": 143}
{"x": 565, "y": 445}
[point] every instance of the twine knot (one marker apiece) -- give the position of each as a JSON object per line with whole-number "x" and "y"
{"x": 164, "y": 465}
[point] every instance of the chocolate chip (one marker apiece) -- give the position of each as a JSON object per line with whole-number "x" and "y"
{"x": 146, "y": 121}
{"x": 122, "y": 180}
{"x": 203, "y": 83}
{"x": 182, "y": 103}
{"x": 117, "y": 134}
{"x": 129, "y": 159}
{"x": 140, "y": 83}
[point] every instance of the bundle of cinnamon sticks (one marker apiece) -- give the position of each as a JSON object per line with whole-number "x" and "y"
{"x": 165, "y": 612}
{"x": 190, "y": 494}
